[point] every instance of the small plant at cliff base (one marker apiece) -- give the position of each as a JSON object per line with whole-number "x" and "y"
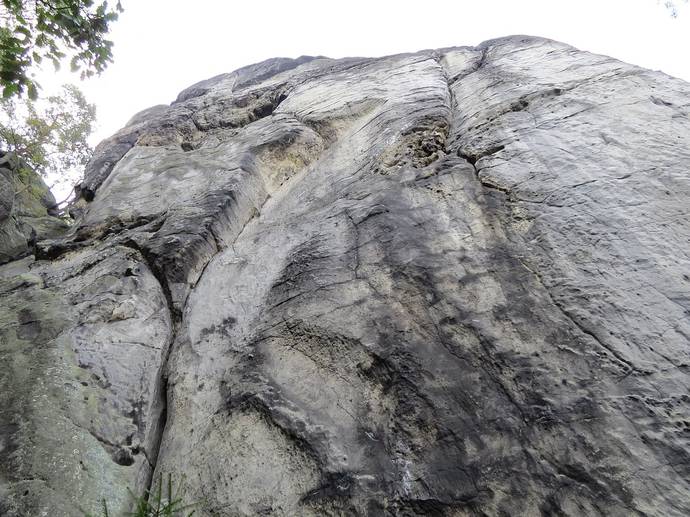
{"x": 160, "y": 502}
{"x": 49, "y": 135}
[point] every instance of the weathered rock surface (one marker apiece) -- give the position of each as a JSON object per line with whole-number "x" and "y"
{"x": 454, "y": 282}
{"x": 27, "y": 209}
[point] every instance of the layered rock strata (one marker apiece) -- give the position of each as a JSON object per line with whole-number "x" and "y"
{"x": 454, "y": 282}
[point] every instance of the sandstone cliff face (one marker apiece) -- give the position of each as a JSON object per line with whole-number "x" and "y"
{"x": 454, "y": 282}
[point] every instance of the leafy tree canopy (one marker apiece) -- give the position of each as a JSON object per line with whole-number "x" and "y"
{"x": 33, "y": 31}
{"x": 50, "y": 135}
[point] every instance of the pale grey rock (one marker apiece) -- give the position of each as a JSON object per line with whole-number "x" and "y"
{"x": 453, "y": 282}
{"x": 82, "y": 341}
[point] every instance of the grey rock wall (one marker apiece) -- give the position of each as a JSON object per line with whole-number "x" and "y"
{"x": 454, "y": 282}
{"x": 27, "y": 209}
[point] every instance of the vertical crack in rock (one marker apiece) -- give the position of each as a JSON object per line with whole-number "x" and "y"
{"x": 176, "y": 321}
{"x": 161, "y": 387}
{"x": 472, "y": 158}
{"x": 485, "y": 345}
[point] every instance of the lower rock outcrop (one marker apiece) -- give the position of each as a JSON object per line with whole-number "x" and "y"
{"x": 27, "y": 209}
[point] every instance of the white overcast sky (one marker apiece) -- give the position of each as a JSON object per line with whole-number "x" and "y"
{"x": 163, "y": 46}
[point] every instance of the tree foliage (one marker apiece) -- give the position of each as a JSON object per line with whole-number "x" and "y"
{"x": 34, "y": 31}
{"x": 672, "y": 7}
{"x": 50, "y": 135}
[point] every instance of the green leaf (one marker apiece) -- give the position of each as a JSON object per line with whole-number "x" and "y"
{"x": 10, "y": 90}
{"x": 32, "y": 91}
{"x": 21, "y": 29}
